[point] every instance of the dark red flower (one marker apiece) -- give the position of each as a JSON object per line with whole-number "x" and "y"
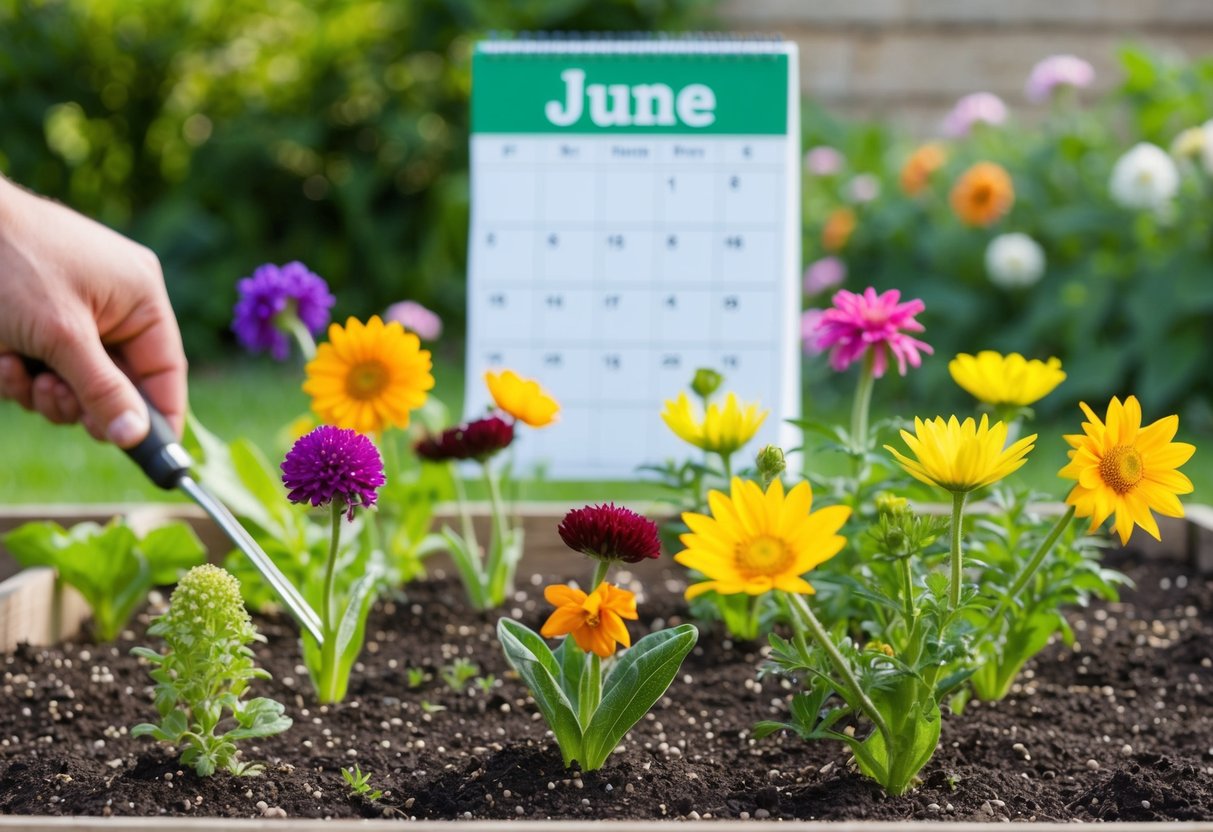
{"x": 479, "y": 439}
{"x": 610, "y": 532}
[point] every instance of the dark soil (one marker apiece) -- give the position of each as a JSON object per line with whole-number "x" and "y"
{"x": 1115, "y": 728}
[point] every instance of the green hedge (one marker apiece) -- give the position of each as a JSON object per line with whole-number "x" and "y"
{"x": 228, "y": 133}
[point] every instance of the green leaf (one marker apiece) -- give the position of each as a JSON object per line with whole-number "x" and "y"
{"x": 571, "y": 660}
{"x": 468, "y": 564}
{"x": 170, "y": 550}
{"x": 358, "y": 606}
{"x": 529, "y": 654}
{"x": 259, "y": 718}
{"x": 638, "y": 679}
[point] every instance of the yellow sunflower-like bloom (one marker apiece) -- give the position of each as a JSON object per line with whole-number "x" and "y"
{"x": 1005, "y": 380}
{"x": 754, "y": 542}
{"x": 595, "y": 621}
{"x": 367, "y": 377}
{"x": 522, "y": 398}
{"x": 1124, "y": 468}
{"x": 722, "y": 430}
{"x": 960, "y": 457}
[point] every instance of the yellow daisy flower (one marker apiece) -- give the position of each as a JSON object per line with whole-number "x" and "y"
{"x": 368, "y": 377}
{"x": 721, "y": 430}
{"x": 522, "y": 398}
{"x": 960, "y": 457}
{"x": 754, "y": 542}
{"x": 1124, "y": 468}
{"x": 1005, "y": 380}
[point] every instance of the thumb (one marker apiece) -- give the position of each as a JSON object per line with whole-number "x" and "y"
{"x": 113, "y": 408}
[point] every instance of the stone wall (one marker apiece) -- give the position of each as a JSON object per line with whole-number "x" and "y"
{"x": 909, "y": 60}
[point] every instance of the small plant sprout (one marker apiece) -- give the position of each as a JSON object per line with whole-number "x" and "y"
{"x": 458, "y": 673}
{"x": 341, "y": 469}
{"x": 589, "y": 709}
{"x": 204, "y": 674}
{"x": 488, "y": 577}
{"x": 486, "y": 683}
{"x": 111, "y": 566}
{"x": 416, "y": 677}
{"x": 359, "y": 782}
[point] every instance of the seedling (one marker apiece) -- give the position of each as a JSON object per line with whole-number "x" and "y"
{"x": 359, "y": 782}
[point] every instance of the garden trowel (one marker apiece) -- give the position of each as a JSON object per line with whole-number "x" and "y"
{"x": 166, "y": 463}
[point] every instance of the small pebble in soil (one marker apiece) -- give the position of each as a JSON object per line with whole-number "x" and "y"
{"x": 1093, "y": 765}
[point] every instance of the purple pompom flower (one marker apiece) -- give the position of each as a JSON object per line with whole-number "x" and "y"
{"x": 416, "y": 319}
{"x": 331, "y": 464}
{"x": 975, "y": 108}
{"x": 1057, "y": 71}
{"x": 272, "y": 292}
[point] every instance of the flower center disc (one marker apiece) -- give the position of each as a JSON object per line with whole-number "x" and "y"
{"x": 1121, "y": 468}
{"x": 763, "y": 555}
{"x": 366, "y": 380}
{"x": 981, "y": 194}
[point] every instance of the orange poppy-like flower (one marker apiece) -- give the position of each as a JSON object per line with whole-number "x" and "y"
{"x": 595, "y": 621}
{"x": 923, "y": 162}
{"x": 839, "y": 227}
{"x": 983, "y": 194}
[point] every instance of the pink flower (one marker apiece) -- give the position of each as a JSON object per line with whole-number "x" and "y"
{"x": 1057, "y": 71}
{"x": 863, "y": 188}
{"x": 823, "y": 161}
{"x": 972, "y": 109}
{"x": 810, "y": 320}
{"x": 857, "y": 323}
{"x": 824, "y": 274}
{"x": 415, "y": 318}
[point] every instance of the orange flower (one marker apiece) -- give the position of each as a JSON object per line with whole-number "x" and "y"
{"x": 983, "y": 194}
{"x": 838, "y": 229}
{"x": 595, "y": 621}
{"x": 918, "y": 168}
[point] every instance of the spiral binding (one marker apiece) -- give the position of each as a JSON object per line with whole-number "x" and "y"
{"x": 632, "y": 43}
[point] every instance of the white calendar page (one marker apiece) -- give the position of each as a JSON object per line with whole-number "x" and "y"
{"x": 634, "y": 216}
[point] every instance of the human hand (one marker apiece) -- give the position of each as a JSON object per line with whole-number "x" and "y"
{"x": 91, "y": 304}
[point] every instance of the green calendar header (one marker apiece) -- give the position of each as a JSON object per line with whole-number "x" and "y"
{"x": 630, "y": 93}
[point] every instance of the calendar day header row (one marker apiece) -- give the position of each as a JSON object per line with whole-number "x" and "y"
{"x": 571, "y": 151}
{"x": 595, "y": 93}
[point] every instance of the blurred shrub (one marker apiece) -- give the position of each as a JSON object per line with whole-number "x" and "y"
{"x": 227, "y": 133}
{"x": 1126, "y": 294}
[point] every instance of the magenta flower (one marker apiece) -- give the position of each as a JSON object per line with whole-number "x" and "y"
{"x": 1057, "y": 71}
{"x": 824, "y": 274}
{"x": 415, "y": 318}
{"x": 823, "y": 161}
{"x": 858, "y": 323}
{"x": 975, "y": 108}
{"x": 610, "y": 532}
{"x": 478, "y": 439}
{"x": 272, "y": 292}
{"x": 331, "y": 464}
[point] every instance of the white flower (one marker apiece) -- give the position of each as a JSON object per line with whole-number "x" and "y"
{"x": 1144, "y": 178}
{"x": 863, "y": 188}
{"x": 1014, "y": 261}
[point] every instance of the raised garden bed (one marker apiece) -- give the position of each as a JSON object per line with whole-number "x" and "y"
{"x": 1118, "y": 729}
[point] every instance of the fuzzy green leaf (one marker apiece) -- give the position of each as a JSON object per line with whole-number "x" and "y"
{"x": 529, "y": 654}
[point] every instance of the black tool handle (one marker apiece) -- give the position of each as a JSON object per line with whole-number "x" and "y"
{"x": 160, "y": 455}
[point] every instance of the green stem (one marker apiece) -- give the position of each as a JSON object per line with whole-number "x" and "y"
{"x": 289, "y": 320}
{"x": 465, "y": 516}
{"x": 726, "y": 462}
{"x": 326, "y": 689}
{"x": 957, "y": 559}
{"x": 600, "y": 572}
{"x": 861, "y": 407}
{"x": 840, "y": 665}
{"x": 1029, "y": 569}
{"x": 907, "y": 591}
{"x": 496, "y": 561}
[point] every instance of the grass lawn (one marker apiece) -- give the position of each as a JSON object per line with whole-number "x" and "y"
{"x": 43, "y": 463}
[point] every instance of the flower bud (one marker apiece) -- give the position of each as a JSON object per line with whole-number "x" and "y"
{"x": 706, "y": 382}
{"x": 891, "y": 506}
{"x": 770, "y": 462}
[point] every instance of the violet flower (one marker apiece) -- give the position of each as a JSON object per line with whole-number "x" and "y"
{"x": 268, "y": 299}
{"x": 330, "y": 464}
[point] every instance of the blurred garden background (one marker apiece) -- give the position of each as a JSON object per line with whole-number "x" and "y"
{"x": 224, "y": 135}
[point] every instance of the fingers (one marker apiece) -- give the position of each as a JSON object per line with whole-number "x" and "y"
{"x": 111, "y": 408}
{"x": 155, "y": 358}
{"x": 15, "y": 383}
{"x": 54, "y": 400}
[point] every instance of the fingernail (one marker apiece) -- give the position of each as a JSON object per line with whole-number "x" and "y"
{"x": 128, "y": 429}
